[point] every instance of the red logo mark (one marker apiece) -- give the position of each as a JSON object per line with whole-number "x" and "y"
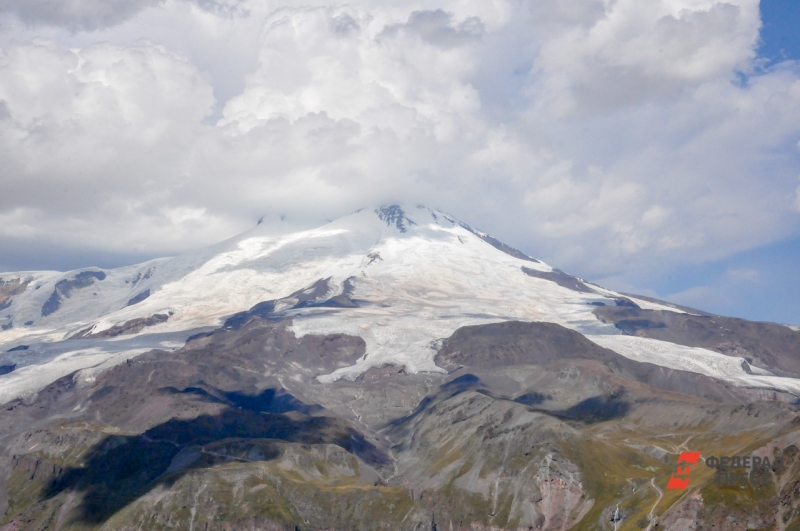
{"x": 680, "y": 479}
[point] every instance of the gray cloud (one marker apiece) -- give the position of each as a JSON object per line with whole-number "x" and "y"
{"x": 86, "y": 15}
{"x": 344, "y": 24}
{"x": 437, "y": 27}
{"x": 225, "y": 8}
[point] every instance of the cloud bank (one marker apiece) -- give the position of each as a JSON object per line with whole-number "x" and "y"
{"x": 605, "y": 137}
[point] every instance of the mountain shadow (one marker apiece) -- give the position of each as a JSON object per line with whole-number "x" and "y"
{"x": 121, "y": 469}
{"x": 598, "y": 408}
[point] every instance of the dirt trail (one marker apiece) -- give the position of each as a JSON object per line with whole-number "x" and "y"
{"x": 651, "y": 515}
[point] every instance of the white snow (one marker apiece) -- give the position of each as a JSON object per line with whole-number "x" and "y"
{"x": 693, "y": 359}
{"x": 428, "y": 285}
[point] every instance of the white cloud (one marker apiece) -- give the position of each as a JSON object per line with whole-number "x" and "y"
{"x": 797, "y": 199}
{"x": 17, "y": 224}
{"x": 605, "y": 137}
{"x": 701, "y": 297}
{"x": 638, "y": 50}
{"x": 744, "y": 274}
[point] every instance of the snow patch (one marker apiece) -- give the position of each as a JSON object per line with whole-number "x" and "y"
{"x": 694, "y": 359}
{"x": 27, "y": 381}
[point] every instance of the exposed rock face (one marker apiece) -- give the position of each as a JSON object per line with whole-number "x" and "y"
{"x": 9, "y": 288}
{"x": 560, "y": 278}
{"x": 564, "y": 501}
{"x": 498, "y": 457}
{"x": 684, "y": 516}
{"x": 395, "y": 216}
{"x": 142, "y": 277}
{"x": 129, "y": 327}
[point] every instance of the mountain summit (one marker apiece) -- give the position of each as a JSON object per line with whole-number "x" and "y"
{"x": 396, "y": 363}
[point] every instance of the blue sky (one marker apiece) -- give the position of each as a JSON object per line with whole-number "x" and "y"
{"x": 652, "y": 146}
{"x": 780, "y": 34}
{"x": 762, "y": 283}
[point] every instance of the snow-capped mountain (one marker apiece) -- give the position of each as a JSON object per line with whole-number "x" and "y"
{"x": 401, "y": 278}
{"x": 393, "y": 369}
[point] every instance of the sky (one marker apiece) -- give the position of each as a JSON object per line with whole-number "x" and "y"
{"x": 651, "y": 146}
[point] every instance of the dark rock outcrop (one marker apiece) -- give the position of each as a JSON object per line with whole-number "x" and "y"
{"x": 134, "y": 326}
{"x": 18, "y": 348}
{"x": 559, "y": 277}
{"x": 10, "y": 288}
{"x": 395, "y": 215}
{"x": 64, "y": 289}
{"x": 139, "y": 297}
{"x": 314, "y": 296}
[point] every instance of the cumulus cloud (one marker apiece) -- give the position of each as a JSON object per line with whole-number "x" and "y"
{"x": 604, "y": 137}
{"x": 640, "y": 50}
{"x": 95, "y": 140}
